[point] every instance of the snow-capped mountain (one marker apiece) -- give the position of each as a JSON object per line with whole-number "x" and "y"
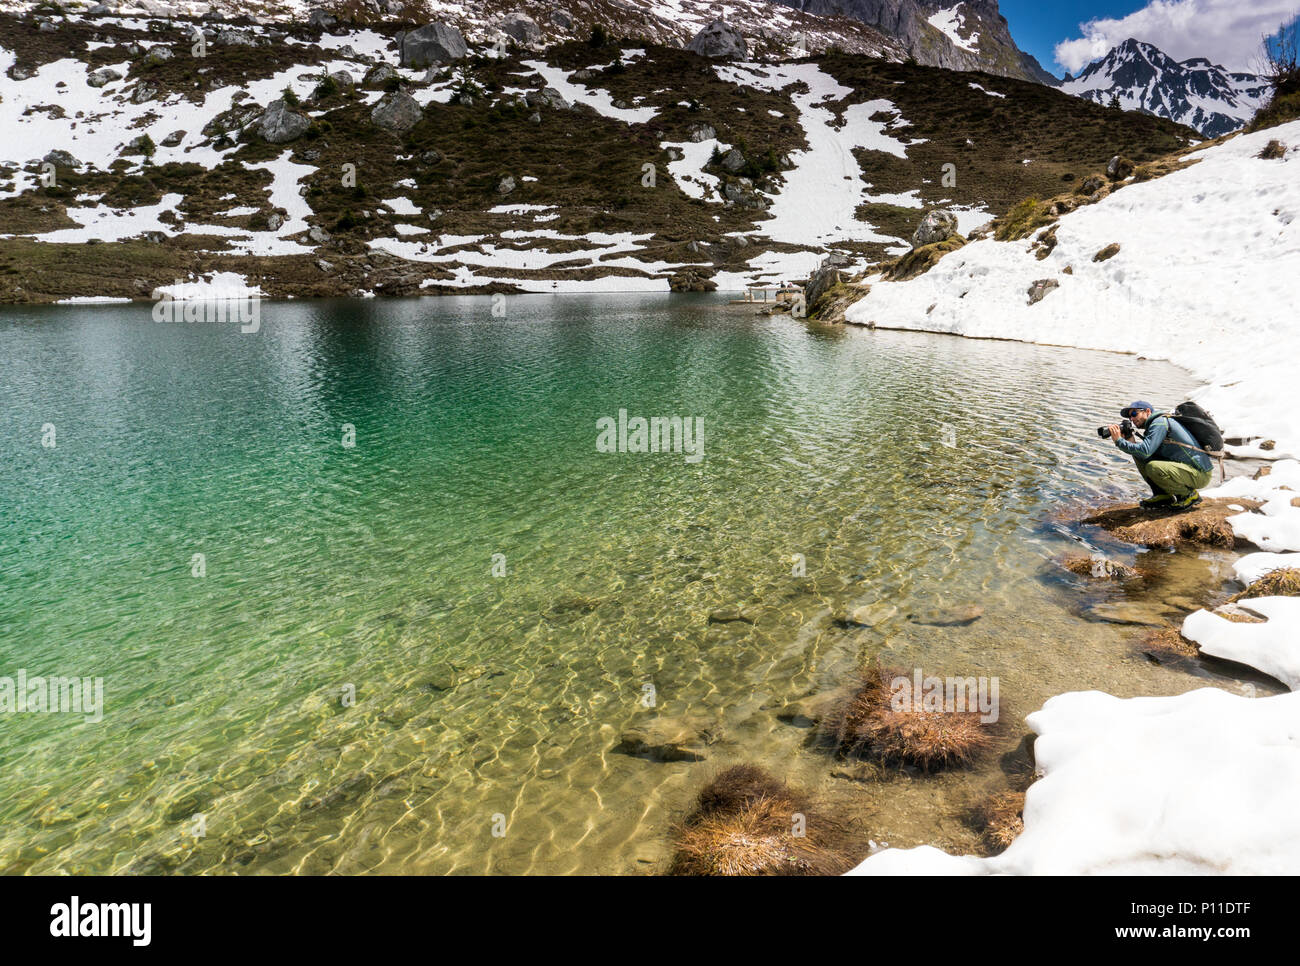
{"x": 1195, "y": 92}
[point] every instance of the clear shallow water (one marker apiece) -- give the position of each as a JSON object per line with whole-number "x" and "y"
{"x": 481, "y": 696}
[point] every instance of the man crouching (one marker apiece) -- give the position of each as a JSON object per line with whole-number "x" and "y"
{"x": 1167, "y": 457}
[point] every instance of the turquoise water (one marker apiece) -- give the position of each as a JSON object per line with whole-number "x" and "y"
{"x": 487, "y": 703}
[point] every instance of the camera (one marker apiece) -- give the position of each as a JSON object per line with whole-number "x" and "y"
{"x": 1125, "y": 429}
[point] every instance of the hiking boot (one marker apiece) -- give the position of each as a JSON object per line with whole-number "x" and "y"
{"x": 1157, "y": 501}
{"x": 1186, "y": 502}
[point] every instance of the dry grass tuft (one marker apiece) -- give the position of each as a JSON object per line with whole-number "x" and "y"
{"x": 1167, "y": 641}
{"x": 865, "y": 723}
{"x": 744, "y": 823}
{"x": 1002, "y": 818}
{"x": 1277, "y": 583}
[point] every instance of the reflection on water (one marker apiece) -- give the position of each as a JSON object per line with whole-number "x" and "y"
{"x": 487, "y": 701}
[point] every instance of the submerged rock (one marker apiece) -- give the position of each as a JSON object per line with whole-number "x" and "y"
{"x": 667, "y": 738}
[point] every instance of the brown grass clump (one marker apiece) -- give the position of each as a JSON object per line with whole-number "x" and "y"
{"x": 865, "y": 723}
{"x": 744, "y": 823}
{"x": 920, "y": 260}
{"x": 1276, "y": 583}
{"x": 1167, "y": 642}
{"x": 1205, "y": 526}
{"x": 1101, "y": 568}
{"x": 1002, "y": 818}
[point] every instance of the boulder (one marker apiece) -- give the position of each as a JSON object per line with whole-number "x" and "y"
{"x": 378, "y": 76}
{"x": 741, "y": 192}
{"x": 144, "y": 92}
{"x": 719, "y": 39}
{"x": 1040, "y": 288}
{"x": 825, "y": 277}
{"x": 560, "y": 19}
{"x": 232, "y": 121}
{"x": 273, "y": 221}
{"x": 937, "y": 225}
{"x": 321, "y": 18}
{"x": 281, "y": 124}
{"x": 1091, "y": 185}
{"x": 733, "y": 161}
{"x": 159, "y": 55}
{"x": 234, "y": 38}
{"x": 546, "y": 97}
{"x": 506, "y": 185}
{"x": 98, "y": 78}
{"x": 397, "y": 111}
{"x": 173, "y": 139}
{"x": 1110, "y": 251}
{"x": 700, "y": 132}
{"x": 344, "y": 79}
{"x": 521, "y": 27}
{"x": 1119, "y": 168}
{"x": 61, "y": 159}
{"x": 319, "y": 235}
{"x": 433, "y": 43}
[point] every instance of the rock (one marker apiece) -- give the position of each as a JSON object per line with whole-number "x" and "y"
{"x": 937, "y": 225}
{"x": 99, "y": 10}
{"x": 319, "y": 235}
{"x": 560, "y": 19}
{"x": 273, "y": 221}
{"x": 741, "y": 192}
{"x": 234, "y": 38}
{"x": 378, "y": 76}
{"x": 1262, "y": 472}
{"x": 727, "y": 615}
{"x": 1268, "y": 445}
{"x": 159, "y": 55}
{"x": 232, "y": 121}
{"x": 534, "y": 118}
{"x": 665, "y": 738}
{"x": 950, "y": 617}
{"x": 280, "y": 124}
{"x": 546, "y": 97}
{"x": 431, "y": 156}
{"x": 506, "y": 185}
{"x": 433, "y": 43}
{"x": 733, "y": 161}
{"x": 324, "y": 266}
{"x": 700, "y": 132}
{"x": 144, "y": 92}
{"x": 521, "y": 27}
{"x": 321, "y": 18}
{"x": 1118, "y": 168}
{"x": 825, "y": 277}
{"x": 1110, "y": 251}
{"x": 1091, "y": 185}
{"x": 23, "y": 73}
{"x": 173, "y": 139}
{"x": 719, "y": 39}
{"x": 61, "y": 159}
{"x": 47, "y": 28}
{"x": 807, "y": 712}
{"x": 96, "y": 78}
{"x": 691, "y": 280}
{"x": 397, "y": 111}
{"x": 1040, "y": 288}
{"x": 344, "y": 79}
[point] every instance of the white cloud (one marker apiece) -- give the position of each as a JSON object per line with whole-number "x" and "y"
{"x": 1228, "y": 32}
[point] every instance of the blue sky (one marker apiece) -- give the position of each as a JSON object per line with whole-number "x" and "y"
{"x": 1226, "y": 31}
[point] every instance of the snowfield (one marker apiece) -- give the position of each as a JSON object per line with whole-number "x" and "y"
{"x": 1207, "y": 276}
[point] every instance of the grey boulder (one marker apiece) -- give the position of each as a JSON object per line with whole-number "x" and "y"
{"x": 937, "y": 225}
{"x": 281, "y": 124}
{"x": 433, "y": 43}
{"x": 719, "y": 39}
{"x": 397, "y": 111}
{"x": 105, "y": 75}
{"x": 521, "y": 27}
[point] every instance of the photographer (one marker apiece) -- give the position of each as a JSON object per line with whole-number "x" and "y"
{"x": 1167, "y": 457}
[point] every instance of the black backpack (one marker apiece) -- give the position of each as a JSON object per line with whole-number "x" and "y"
{"x": 1201, "y": 425}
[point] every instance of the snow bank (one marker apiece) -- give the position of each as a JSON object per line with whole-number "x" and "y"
{"x": 1204, "y": 782}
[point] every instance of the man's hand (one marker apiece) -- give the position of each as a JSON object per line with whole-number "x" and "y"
{"x": 1114, "y": 431}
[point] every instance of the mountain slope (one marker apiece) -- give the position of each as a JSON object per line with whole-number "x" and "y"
{"x": 961, "y": 35}
{"x": 1195, "y": 92}
{"x": 577, "y": 168}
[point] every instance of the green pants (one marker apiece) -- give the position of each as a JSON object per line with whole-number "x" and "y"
{"x": 1168, "y": 476}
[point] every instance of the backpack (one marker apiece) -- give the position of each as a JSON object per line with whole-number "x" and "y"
{"x": 1201, "y": 425}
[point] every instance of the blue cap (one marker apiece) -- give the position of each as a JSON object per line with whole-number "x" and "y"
{"x": 1128, "y": 411}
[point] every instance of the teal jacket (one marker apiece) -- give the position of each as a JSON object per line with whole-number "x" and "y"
{"x": 1159, "y": 443}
